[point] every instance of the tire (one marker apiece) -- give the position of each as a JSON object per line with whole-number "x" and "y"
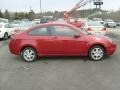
{"x": 5, "y": 36}
{"x": 96, "y": 53}
{"x": 28, "y": 54}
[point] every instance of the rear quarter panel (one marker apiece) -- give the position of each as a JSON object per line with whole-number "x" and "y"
{"x": 29, "y": 43}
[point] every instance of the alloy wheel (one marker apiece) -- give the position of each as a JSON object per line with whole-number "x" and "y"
{"x": 29, "y": 54}
{"x": 97, "y": 53}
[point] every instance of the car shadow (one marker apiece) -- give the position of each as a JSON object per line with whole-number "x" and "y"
{"x": 46, "y": 60}
{"x": 1, "y": 39}
{"x": 62, "y": 58}
{"x": 56, "y": 58}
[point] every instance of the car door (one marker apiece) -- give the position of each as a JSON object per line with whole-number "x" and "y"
{"x": 46, "y": 43}
{"x": 68, "y": 41}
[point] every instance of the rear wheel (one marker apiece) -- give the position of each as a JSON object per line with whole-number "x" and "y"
{"x": 6, "y": 36}
{"x": 97, "y": 53}
{"x": 28, "y": 54}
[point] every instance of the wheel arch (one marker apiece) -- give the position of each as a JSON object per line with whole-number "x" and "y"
{"x": 30, "y": 46}
{"x": 101, "y": 45}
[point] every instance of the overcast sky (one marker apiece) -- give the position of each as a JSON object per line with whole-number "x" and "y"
{"x": 51, "y": 5}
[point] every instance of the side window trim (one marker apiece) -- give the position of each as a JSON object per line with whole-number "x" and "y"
{"x": 47, "y": 34}
{"x": 65, "y": 27}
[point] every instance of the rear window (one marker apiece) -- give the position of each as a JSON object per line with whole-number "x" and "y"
{"x": 40, "y": 32}
{"x": 97, "y": 19}
{"x": 62, "y": 31}
{"x": 94, "y": 24}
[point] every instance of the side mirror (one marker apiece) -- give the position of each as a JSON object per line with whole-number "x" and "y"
{"x": 76, "y": 36}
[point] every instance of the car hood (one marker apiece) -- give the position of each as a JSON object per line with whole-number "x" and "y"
{"x": 98, "y": 38}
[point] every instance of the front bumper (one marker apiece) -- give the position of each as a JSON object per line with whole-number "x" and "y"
{"x": 111, "y": 49}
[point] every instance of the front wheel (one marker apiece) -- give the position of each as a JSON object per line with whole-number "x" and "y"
{"x": 28, "y": 54}
{"x": 97, "y": 53}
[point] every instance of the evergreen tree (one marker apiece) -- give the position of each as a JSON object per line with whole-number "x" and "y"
{"x": 31, "y": 15}
{"x": 6, "y": 14}
{"x": 16, "y": 16}
{"x": 1, "y": 15}
{"x": 26, "y": 15}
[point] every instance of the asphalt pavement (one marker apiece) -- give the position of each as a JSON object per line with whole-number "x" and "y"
{"x": 59, "y": 73}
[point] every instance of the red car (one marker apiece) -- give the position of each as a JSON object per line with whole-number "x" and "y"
{"x": 59, "y": 40}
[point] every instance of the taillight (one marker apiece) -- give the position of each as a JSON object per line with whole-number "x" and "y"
{"x": 89, "y": 29}
{"x": 104, "y": 29}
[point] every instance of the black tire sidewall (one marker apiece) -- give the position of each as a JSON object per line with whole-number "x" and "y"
{"x": 5, "y": 36}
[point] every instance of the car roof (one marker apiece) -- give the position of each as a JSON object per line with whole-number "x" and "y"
{"x": 52, "y": 24}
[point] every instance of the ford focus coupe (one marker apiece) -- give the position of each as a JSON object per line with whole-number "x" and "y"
{"x": 55, "y": 39}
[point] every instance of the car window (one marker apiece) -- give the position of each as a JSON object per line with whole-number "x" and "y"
{"x": 97, "y": 19}
{"x": 94, "y": 24}
{"x": 63, "y": 31}
{"x": 40, "y": 32}
{"x": 43, "y": 20}
{"x": 109, "y": 20}
{"x": 7, "y": 26}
